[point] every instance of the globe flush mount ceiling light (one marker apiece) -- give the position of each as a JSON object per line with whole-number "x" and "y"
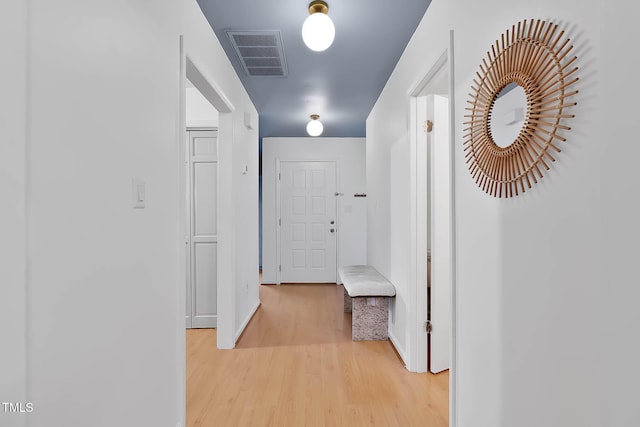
{"x": 318, "y": 30}
{"x": 314, "y": 127}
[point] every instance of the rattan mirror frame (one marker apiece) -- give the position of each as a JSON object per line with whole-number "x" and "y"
{"x": 534, "y": 55}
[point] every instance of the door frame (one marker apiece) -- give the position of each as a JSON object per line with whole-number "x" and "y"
{"x": 187, "y": 69}
{"x": 278, "y": 211}
{"x": 417, "y": 355}
{"x": 225, "y": 290}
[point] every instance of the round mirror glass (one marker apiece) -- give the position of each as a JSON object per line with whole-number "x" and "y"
{"x": 507, "y": 115}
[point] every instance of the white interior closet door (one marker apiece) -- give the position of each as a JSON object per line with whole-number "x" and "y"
{"x": 201, "y": 310}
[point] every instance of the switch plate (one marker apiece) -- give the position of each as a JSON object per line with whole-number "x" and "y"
{"x": 138, "y": 193}
{"x": 248, "y": 120}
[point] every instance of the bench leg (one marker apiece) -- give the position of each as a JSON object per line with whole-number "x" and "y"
{"x": 370, "y": 320}
{"x": 347, "y": 302}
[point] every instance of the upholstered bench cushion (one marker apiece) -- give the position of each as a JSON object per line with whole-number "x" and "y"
{"x": 365, "y": 281}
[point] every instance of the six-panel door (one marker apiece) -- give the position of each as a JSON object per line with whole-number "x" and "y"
{"x": 203, "y": 229}
{"x": 308, "y": 231}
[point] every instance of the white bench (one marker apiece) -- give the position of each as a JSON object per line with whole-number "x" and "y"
{"x": 366, "y": 296}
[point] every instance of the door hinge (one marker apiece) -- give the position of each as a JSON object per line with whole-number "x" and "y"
{"x": 428, "y": 126}
{"x": 279, "y": 176}
{"x": 280, "y": 268}
{"x": 280, "y": 221}
{"x": 428, "y": 326}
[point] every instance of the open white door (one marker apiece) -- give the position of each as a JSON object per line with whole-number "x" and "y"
{"x": 440, "y": 232}
{"x": 308, "y": 227}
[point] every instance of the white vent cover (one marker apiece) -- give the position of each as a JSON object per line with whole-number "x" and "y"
{"x": 260, "y": 52}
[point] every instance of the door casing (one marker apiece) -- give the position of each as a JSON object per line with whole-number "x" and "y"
{"x": 416, "y": 354}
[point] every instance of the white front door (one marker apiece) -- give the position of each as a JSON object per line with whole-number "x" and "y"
{"x": 308, "y": 225}
{"x": 203, "y": 229}
{"x": 441, "y": 226}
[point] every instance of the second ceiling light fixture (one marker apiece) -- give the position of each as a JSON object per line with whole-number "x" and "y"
{"x": 318, "y": 30}
{"x": 314, "y": 127}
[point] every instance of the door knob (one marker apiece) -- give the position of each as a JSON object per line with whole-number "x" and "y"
{"x": 332, "y": 230}
{"x": 333, "y": 222}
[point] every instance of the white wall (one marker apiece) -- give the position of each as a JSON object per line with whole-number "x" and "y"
{"x": 245, "y": 211}
{"x": 617, "y": 233}
{"x": 104, "y": 325}
{"x": 399, "y": 265}
{"x": 13, "y": 261}
{"x": 199, "y": 111}
{"x": 546, "y": 294}
{"x": 350, "y": 154}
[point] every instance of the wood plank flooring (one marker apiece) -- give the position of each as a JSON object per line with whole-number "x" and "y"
{"x": 296, "y": 365}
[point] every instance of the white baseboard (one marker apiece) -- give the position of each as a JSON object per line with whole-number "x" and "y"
{"x": 246, "y": 321}
{"x": 400, "y": 350}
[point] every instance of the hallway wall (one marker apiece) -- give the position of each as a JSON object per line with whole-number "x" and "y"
{"x": 545, "y": 300}
{"x": 200, "y": 112}
{"x": 350, "y": 154}
{"x": 94, "y": 102}
{"x": 13, "y": 260}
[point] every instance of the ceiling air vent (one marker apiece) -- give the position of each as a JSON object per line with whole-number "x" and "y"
{"x": 260, "y": 52}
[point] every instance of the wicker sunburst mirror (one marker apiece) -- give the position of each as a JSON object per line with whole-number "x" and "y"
{"x": 534, "y": 56}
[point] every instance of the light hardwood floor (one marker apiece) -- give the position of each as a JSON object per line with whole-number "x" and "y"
{"x": 296, "y": 365}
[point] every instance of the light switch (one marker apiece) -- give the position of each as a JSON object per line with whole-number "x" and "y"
{"x": 248, "y": 120}
{"x": 138, "y": 192}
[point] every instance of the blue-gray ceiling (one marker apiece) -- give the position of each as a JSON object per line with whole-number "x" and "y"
{"x": 342, "y": 83}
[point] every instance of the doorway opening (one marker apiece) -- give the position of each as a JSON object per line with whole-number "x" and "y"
{"x": 433, "y": 222}
{"x": 209, "y": 161}
{"x": 190, "y": 75}
{"x": 201, "y": 187}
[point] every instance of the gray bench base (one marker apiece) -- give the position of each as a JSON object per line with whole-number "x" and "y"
{"x": 347, "y": 302}
{"x": 366, "y": 296}
{"x": 369, "y": 317}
